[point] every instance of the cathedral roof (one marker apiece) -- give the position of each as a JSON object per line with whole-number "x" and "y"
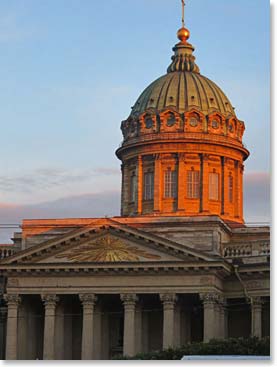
{"x": 183, "y": 91}
{"x": 183, "y": 88}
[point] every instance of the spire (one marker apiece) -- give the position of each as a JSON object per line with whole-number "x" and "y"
{"x": 183, "y": 33}
{"x": 183, "y": 13}
{"x": 183, "y": 59}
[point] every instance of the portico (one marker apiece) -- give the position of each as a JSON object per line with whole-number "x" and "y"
{"x": 143, "y": 293}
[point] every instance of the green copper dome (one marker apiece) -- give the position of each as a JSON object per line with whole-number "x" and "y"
{"x": 183, "y": 88}
{"x": 183, "y": 91}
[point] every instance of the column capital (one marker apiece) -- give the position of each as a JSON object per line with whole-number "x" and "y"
{"x": 88, "y": 299}
{"x": 210, "y": 297}
{"x": 12, "y": 299}
{"x": 157, "y": 157}
{"x": 181, "y": 156}
{"x": 49, "y": 300}
{"x": 129, "y": 299}
{"x": 168, "y": 298}
{"x": 256, "y": 301}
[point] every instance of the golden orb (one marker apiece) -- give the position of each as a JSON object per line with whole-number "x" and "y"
{"x": 183, "y": 34}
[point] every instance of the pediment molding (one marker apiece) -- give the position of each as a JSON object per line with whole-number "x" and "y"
{"x": 90, "y": 233}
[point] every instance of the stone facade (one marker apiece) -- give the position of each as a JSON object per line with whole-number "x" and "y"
{"x": 103, "y": 287}
{"x": 177, "y": 266}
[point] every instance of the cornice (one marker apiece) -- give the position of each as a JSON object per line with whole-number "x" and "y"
{"x": 40, "y": 251}
{"x": 165, "y": 267}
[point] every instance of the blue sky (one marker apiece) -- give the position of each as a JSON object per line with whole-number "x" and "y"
{"x": 70, "y": 71}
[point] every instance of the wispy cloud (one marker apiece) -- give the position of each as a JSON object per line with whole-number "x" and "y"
{"x": 257, "y": 189}
{"x": 46, "y": 178}
{"x": 256, "y": 200}
{"x": 80, "y": 206}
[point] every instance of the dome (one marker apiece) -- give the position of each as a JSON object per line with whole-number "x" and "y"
{"x": 183, "y": 91}
{"x": 182, "y": 152}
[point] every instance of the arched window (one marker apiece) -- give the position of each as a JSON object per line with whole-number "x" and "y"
{"x": 231, "y": 188}
{"x": 214, "y": 186}
{"x": 170, "y": 184}
{"x": 193, "y": 178}
{"x": 148, "y": 186}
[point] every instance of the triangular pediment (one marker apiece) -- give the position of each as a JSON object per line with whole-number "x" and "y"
{"x": 107, "y": 244}
{"x": 108, "y": 247}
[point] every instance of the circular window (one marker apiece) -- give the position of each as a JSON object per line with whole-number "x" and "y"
{"x": 215, "y": 124}
{"x": 171, "y": 120}
{"x": 149, "y": 123}
{"x": 193, "y": 122}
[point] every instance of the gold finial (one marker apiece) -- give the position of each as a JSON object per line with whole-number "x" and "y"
{"x": 183, "y": 33}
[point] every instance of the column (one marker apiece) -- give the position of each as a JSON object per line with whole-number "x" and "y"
{"x": 222, "y": 332}
{"x": 204, "y": 183}
{"x": 122, "y": 188}
{"x": 125, "y": 189}
{"x": 129, "y": 338}
{"x": 140, "y": 184}
{"x": 256, "y": 317}
{"x": 181, "y": 182}
{"x": 177, "y": 325}
{"x": 222, "y": 185}
{"x": 3, "y": 320}
{"x": 138, "y": 328}
{"x": 168, "y": 300}
{"x": 236, "y": 190}
{"x": 13, "y": 301}
{"x": 211, "y": 315}
{"x": 158, "y": 184}
{"x": 88, "y": 302}
{"x": 241, "y": 190}
{"x": 49, "y": 301}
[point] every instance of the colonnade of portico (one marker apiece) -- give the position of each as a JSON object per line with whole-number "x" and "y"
{"x": 168, "y": 320}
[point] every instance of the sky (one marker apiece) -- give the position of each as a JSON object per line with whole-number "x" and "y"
{"x": 70, "y": 71}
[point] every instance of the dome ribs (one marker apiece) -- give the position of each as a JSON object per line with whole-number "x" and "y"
{"x": 199, "y": 82}
{"x": 162, "y": 97}
{"x": 222, "y": 96}
{"x": 183, "y": 91}
{"x": 172, "y": 91}
{"x": 179, "y": 93}
{"x": 218, "y": 94}
{"x": 197, "y": 92}
{"x": 186, "y": 92}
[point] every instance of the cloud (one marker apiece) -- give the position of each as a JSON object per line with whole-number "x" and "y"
{"x": 46, "y": 178}
{"x": 256, "y": 204}
{"x": 81, "y": 206}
